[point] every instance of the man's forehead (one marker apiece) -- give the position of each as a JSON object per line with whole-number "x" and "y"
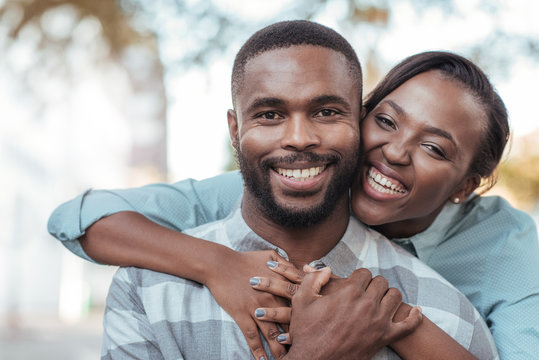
{"x": 296, "y": 55}
{"x": 297, "y": 72}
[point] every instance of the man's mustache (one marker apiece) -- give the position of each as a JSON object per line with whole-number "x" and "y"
{"x": 300, "y": 157}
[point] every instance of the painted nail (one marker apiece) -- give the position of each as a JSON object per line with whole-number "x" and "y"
{"x": 254, "y": 281}
{"x": 281, "y": 338}
{"x": 262, "y": 358}
{"x": 260, "y": 312}
{"x": 272, "y": 264}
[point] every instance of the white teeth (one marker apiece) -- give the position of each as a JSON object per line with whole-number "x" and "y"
{"x": 382, "y": 184}
{"x": 301, "y": 174}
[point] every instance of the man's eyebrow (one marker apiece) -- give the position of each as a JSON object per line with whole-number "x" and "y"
{"x": 428, "y": 129}
{"x": 327, "y": 99}
{"x": 265, "y": 102}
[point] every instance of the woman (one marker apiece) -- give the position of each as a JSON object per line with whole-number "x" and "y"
{"x": 418, "y": 173}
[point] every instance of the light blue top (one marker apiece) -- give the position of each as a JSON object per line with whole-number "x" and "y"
{"x": 488, "y": 250}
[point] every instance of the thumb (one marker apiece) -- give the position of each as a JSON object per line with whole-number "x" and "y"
{"x": 407, "y": 325}
{"x": 314, "y": 281}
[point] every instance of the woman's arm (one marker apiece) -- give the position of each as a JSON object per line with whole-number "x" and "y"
{"x": 182, "y": 205}
{"x": 130, "y": 239}
{"x": 137, "y": 227}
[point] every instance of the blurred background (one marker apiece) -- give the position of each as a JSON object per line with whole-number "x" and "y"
{"x": 119, "y": 93}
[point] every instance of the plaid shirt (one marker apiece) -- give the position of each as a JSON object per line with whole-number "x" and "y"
{"x": 151, "y": 315}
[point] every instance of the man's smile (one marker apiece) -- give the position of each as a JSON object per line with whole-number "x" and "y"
{"x": 301, "y": 174}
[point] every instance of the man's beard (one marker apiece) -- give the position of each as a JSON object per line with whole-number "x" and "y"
{"x": 257, "y": 181}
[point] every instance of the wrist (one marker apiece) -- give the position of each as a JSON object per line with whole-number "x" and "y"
{"x": 211, "y": 262}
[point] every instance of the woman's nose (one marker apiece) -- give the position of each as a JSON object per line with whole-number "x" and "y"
{"x": 396, "y": 153}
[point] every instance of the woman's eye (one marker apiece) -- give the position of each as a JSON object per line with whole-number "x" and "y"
{"x": 385, "y": 122}
{"x": 435, "y": 150}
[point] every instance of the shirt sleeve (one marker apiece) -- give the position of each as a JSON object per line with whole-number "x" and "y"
{"x": 127, "y": 332}
{"x": 492, "y": 257}
{"x": 179, "y": 206}
{"x": 513, "y": 286}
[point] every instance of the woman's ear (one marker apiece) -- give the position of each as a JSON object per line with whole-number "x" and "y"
{"x": 470, "y": 184}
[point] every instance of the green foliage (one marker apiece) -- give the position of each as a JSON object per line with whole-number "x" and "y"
{"x": 521, "y": 178}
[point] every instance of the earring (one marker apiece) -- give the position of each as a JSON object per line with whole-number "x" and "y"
{"x": 456, "y": 200}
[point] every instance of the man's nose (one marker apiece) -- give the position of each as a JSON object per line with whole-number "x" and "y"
{"x": 300, "y": 134}
{"x": 397, "y": 153}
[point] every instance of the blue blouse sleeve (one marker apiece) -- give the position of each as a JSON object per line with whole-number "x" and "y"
{"x": 492, "y": 256}
{"x": 179, "y": 206}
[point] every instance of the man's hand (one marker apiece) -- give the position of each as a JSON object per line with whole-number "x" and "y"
{"x": 353, "y": 321}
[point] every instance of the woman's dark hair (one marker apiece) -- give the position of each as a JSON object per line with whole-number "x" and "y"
{"x": 455, "y": 67}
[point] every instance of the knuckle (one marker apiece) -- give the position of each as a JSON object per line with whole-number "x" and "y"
{"x": 394, "y": 293}
{"x": 251, "y": 333}
{"x": 291, "y": 289}
{"x": 381, "y": 280}
{"x": 273, "y": 333}
{"x": 363, "y": 272}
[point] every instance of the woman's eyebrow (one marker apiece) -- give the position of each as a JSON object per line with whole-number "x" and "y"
{"x": 442, "y": 133}
{"x": 395, "y": 107}
{"x": 428, "y": 129}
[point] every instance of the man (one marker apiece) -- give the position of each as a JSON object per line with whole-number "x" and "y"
{"x": 297, "y": 102}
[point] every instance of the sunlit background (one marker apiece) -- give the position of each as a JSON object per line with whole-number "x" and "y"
{"x": 118, "y": 93}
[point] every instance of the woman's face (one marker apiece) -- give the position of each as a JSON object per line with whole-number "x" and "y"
{"x": 418, "y": 144}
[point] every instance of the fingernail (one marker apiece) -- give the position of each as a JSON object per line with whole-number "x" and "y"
{"x": 260, "y": 312}
{"x": 272, "y": 264}
{"x": 281, "y": 338}
{"x": 262, "y": 358}
{"x": 254, "y": 281}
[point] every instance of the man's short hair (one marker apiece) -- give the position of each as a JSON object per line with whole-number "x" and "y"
{"x": 290, "y": 33}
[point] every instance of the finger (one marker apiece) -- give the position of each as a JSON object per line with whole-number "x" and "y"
{"x": 405, "y": 327}
{"x": 270, "y": 331}
{"x": 361, "y": 277}
{"x": 313, "y": 283}
{"x": 249, "y": 329}
{"x": 391, "y": 301}
{"x": 274, "y": 286}
{"x": 309, "y": 269}
{"x": 377, "y": 288}
{"x": 284, "y": 338}
{"x": 286, "y": 269}
{"x": 279, "y": 315}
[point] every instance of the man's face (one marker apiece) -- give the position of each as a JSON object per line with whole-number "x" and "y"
{"x": 296, "y": 133}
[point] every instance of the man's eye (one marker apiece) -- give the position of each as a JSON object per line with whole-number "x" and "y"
{"x": 270, "y": 115}
{"x": 326, "y": 112}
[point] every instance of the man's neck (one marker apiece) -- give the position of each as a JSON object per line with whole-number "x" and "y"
{"x": 302, "y": 244}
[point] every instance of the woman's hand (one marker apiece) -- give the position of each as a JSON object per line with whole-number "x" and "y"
{"x": 229, "y": 282}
